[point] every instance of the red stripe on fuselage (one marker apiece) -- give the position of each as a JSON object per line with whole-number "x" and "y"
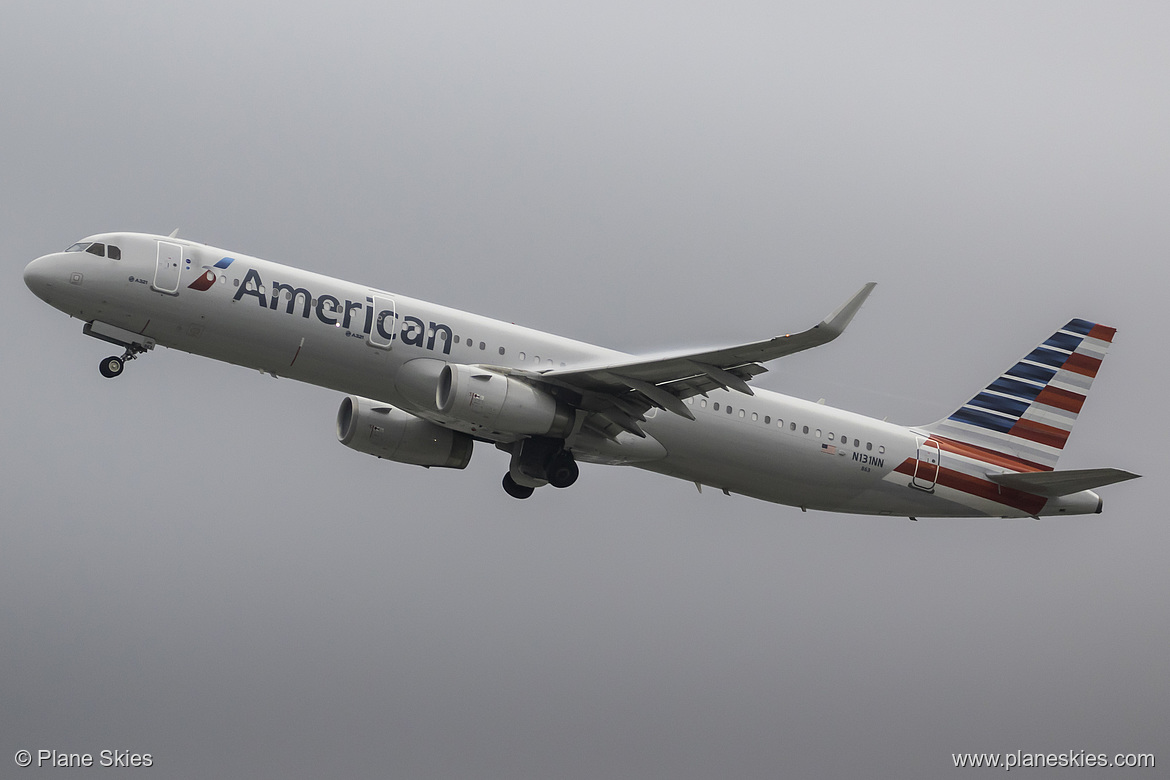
{"x": 981, "y": 488}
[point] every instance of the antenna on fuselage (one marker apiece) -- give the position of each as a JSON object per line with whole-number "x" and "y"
{"x": 174, "y": 233}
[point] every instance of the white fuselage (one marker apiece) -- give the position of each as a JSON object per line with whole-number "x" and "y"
{"x": 355, "y": 339}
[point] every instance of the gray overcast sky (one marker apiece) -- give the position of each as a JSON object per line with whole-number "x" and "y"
{"x": 191, "y": 566}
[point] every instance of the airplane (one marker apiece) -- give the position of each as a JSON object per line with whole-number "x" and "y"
{"x": 424, "y": 383}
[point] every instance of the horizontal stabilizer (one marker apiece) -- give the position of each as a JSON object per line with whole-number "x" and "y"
{"x": 1052, "y": 484}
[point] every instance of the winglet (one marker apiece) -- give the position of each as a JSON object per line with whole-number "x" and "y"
{"x": 836, "y": 322}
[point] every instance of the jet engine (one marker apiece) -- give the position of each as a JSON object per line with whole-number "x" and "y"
{"x": 501, "y": 403}
{"x": 379, "y": 429}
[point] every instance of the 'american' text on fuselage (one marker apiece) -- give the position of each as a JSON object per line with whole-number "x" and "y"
{"x": 329, "y": 309}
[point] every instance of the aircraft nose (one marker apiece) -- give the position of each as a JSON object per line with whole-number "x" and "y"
{"x": 40, "y": 276}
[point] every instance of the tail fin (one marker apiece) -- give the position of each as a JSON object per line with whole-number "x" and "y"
{"x": 1029, "y": 411}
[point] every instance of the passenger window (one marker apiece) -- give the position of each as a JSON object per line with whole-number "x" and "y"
{"x": 729, "y": 410}
{"x": 755, "y": 416}
{"x": 830, "y": 437}
{"x": 501, "y": 350}
{"x": 702, "y": 403}
{"x": 881, "y": 450}
{"x": 741, "y": 413}
{"x": 482, "y": 345}
{"x": 818, "y": 433}
{"x": 806, "y": 430}
{"x": 456, "y": 339}
{"x": 767, "y": 419}
{"x": 113, "y": 252}
{"x": 523, "y": 356}
{"x": 536, "y": 358}
{"x": 715, "y": 406}
{"x": 792, "y": 426}
{"x": 97, "y": 249}
{"x": 857, "y": 442}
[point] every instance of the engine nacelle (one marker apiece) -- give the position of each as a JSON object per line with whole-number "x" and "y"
{"x": 500, "y": 402}
{"x": 379, "y": 429}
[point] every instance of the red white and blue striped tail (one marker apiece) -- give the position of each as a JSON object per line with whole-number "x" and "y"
{"x": 1028, "y": 412}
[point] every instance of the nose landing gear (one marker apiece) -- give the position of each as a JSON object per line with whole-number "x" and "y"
{"x": 134, "y": 344}
{"x": 113, "y": 365}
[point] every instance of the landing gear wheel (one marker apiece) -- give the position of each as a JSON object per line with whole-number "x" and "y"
{"x": 111, "y": 367}
{"x": 563, "y": 471}
{"x": 514, "y": 490}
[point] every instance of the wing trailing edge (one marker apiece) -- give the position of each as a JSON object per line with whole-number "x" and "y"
{"x": 616, "y": 396}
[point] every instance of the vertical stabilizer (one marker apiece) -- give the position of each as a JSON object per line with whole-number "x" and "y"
{"x": 1028, "y": 412}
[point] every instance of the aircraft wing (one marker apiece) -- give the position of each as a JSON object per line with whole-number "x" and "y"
{"x": 620, "y": 393}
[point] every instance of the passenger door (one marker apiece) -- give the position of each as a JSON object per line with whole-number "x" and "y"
{"x": 168, "y": 268}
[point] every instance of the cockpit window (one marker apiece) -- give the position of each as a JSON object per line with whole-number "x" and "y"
{"x": 101, "y": 250}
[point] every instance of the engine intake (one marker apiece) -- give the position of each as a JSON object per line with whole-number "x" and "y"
{"x": 501, "y": 403}
{"x": 379, "y": 429}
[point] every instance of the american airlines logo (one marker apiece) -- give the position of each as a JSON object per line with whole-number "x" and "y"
{"x": 207, "y": 279}
{"x": 330, "y": 310}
